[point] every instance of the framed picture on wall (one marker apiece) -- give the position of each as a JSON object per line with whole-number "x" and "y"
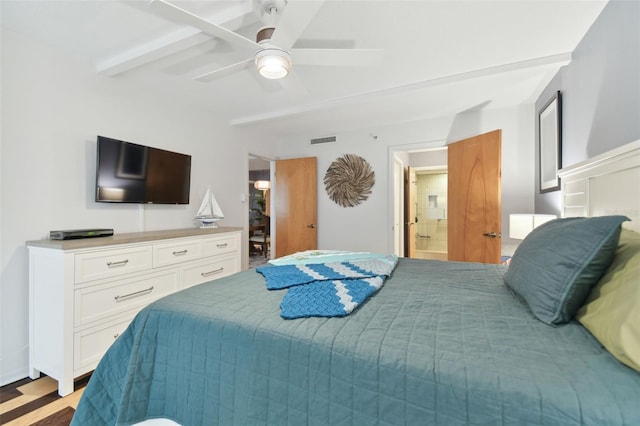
{"x": 550, "y": 143}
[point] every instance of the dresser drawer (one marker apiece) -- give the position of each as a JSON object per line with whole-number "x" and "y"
{"x": 90, "y": 345}
{"x": 111, "y": 263}
{"x": 207, "y": 271}
{"x": 101, "y": 301}
{"x": 220, "y": 245}
{"x": 176, "y": 252}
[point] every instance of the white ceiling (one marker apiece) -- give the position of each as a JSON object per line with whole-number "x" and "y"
{"x": 440, "y": 57}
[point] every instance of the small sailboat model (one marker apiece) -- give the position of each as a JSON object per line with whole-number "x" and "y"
{"x": 209, "y": 212}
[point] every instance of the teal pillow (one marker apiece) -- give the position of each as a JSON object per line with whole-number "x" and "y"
{"x": 557, "y": 264}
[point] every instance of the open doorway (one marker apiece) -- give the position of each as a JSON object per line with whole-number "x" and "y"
{"x": 431, "y": 213}
{"x": 260, "y": 217}
{"x": 424, "y": 157}
{"x": 472, "y": 211}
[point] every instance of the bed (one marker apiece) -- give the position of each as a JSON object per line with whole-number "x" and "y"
{"x": 438, "y": 342}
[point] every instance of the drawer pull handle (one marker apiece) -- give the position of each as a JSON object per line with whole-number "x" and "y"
{"x": 134, "y": 294}
{"x": 119, "y": 263}
{"x": 215, "y": 271}
{"x": 180, "y": 253}
{"x": 222, "y": 245}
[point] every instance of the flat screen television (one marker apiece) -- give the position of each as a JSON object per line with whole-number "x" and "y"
{"x": 130, "y": 173}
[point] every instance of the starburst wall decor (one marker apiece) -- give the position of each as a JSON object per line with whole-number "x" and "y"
{"x": 348, "y": 180}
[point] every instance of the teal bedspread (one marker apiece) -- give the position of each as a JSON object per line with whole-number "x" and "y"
{"x": 441, "y": 343}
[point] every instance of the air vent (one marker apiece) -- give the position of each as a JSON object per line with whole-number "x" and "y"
{"x": 323, "y": 140}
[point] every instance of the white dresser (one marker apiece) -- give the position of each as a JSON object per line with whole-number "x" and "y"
{"x": 84, "y": 293}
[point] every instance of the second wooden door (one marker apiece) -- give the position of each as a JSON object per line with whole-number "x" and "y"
{"x": 474, "y": 191}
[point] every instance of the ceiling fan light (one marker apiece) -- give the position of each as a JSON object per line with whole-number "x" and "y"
{"x": 273, "y": 63}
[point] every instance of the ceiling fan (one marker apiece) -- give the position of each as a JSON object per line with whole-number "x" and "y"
{"x": 272, "y": 53}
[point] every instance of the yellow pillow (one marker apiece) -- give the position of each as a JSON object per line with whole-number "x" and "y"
{"x": 612, "y": 311}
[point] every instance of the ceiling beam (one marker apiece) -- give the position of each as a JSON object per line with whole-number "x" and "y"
{"x": 169, "y": 44}
{"x": 545, "y": 62}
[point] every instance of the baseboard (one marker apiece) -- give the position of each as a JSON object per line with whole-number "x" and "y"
{"x": 13, "y": 376}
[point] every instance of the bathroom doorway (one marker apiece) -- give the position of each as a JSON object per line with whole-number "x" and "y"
{"x": 431, "y": 213}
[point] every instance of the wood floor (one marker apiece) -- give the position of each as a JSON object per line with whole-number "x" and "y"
{"x": 257, "y": 259}
{"x": 36, "y": 402}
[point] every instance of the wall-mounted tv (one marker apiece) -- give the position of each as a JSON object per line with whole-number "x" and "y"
{"x": 130, "y": 173}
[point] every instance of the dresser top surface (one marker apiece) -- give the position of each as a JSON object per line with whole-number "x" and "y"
{"x": 129, "y": 238}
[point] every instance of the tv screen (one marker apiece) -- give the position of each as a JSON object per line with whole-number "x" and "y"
{"x": 132, "y": 173}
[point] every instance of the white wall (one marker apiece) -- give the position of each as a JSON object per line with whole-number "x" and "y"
{"x": 368, "y": 226}
{"x": 52, "y": 110}
{"x": 600, "y": 91}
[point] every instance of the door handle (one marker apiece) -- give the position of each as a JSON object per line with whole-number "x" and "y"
{"x": 490, "y": 234}
{"x": 311, "y": 226}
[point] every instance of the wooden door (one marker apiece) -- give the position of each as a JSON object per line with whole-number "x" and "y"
{"x": 474, "y": 220}
{"x": 295, "y": 205}
{"x": 410, "y": 210}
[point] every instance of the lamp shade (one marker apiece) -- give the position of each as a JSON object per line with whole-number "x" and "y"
{"x": 273, "y": 63}
{"x": 262, "y": 185}
{"x": 521, "y": 224}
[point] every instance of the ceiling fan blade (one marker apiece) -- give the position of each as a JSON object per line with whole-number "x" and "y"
{"x": 338, "y": 57}
{"x": 224, "y": 71}
{"x": 177, "y": 14}
{"x": 293, "y": 86}
{"x": 267, "y": 85}
{"x": 294, "y": 20}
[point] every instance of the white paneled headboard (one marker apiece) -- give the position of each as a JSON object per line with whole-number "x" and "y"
{"x": 607, "y": 184}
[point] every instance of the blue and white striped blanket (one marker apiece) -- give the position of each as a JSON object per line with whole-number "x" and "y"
{"x": 327, "y": 289}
